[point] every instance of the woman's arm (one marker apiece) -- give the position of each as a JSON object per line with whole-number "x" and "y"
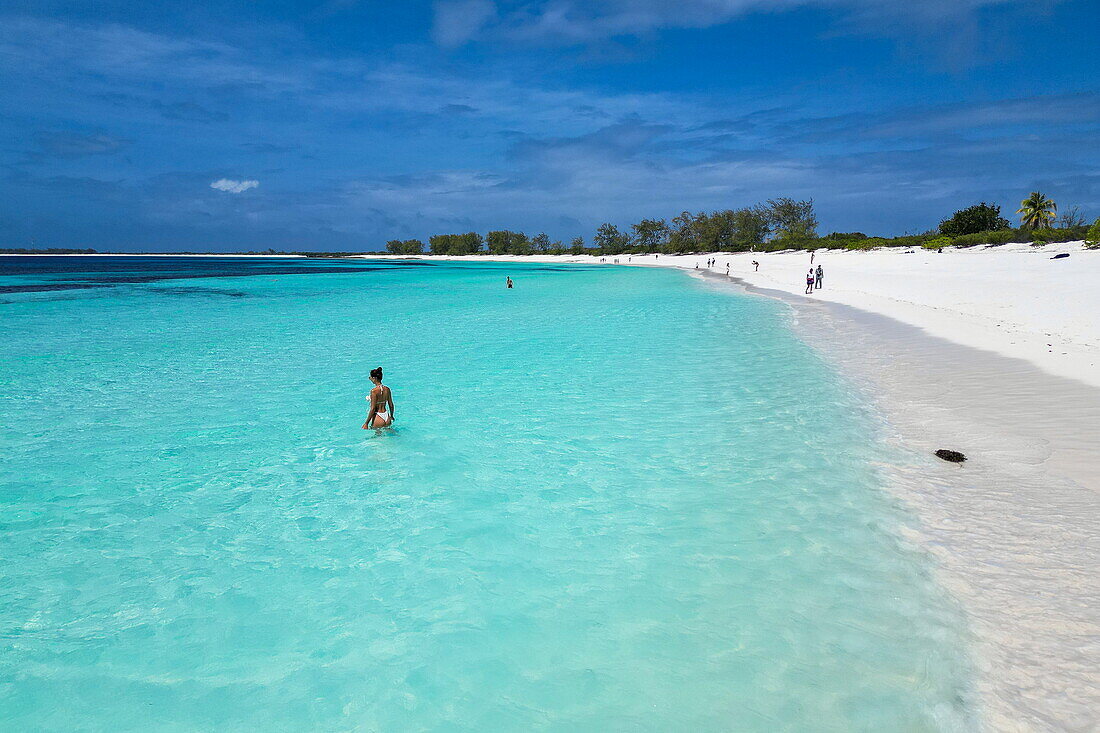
{"x": 373, "y": 397}
{"x": 389, "y": 400}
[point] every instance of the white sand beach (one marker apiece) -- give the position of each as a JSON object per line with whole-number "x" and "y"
{"x": 994, "y": 352}
{"x": 1013, "y": 299}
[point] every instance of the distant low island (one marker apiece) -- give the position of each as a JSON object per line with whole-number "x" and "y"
{"x": 49, "y": 251}
{"x": 266, "y": 252}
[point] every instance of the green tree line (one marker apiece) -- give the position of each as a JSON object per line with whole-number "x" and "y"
{"x": 776, "y": 224}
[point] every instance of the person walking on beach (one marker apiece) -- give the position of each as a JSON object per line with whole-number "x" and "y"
{"x": 381, "y": 403}
{"x": 727, "y": 269}
{"x": 756, "y": 265}
{"x": 810, "y": 281}
{"x": 509, "y": 279}
{"x": 812, "y": 253}
{"x": 817, "y": 277}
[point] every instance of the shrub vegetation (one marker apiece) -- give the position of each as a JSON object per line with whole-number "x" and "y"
{"x": 1092, "y": 238}
{"x": 405, "y": 247}
{"x": 981, "y": 217}
{"x": 776, "y": 224}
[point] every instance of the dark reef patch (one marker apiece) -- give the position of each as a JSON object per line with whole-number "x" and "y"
{"x": 183, "y": 290}
{"x": 82, "y": 273}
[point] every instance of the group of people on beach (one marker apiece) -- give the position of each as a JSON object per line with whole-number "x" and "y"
{"x": 813, "y": 276}
{"x": 813, "y": 279}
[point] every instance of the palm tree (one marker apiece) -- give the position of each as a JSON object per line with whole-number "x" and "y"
{"x": 1037, "y": 211}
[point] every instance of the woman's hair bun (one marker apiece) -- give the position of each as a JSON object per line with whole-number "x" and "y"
{"x": 376, "y": 373}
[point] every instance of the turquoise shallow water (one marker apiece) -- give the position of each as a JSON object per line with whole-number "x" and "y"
{"x": 615, "y": 499}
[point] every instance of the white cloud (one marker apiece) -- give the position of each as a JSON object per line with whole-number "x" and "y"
{"x": 231, "y": 186}
{"x": 458, "y": 22}
{"x": 585, "y": 21}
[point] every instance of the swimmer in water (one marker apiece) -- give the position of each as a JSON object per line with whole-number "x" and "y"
{"x": 381, "y": 403}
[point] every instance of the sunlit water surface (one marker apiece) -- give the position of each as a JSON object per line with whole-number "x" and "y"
{"x": 615, "y": 499}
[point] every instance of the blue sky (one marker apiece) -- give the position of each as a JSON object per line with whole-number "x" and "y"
{"x": 236, "y": 124}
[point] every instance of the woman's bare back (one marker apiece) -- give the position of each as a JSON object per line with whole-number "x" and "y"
{"x": 381, "y": 408}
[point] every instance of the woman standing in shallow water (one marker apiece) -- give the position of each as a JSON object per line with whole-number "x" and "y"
{"x": 381, "y": 403}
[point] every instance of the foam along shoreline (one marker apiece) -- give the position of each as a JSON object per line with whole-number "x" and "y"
{"x": 952, "y": 350}
{"x": 1013, "y": 529}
